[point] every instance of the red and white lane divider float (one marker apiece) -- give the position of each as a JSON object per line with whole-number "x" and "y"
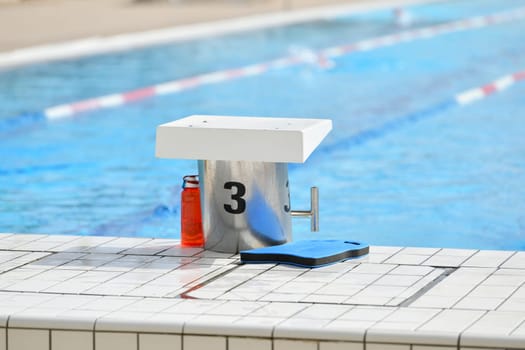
{"x": 481, "y": 92}
{"x": 322, "y": 58}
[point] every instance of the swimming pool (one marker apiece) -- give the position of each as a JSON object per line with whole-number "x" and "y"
{"x": 453, "y": 178}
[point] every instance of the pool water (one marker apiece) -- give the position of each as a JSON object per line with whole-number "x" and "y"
{"x": 454, "y": 179}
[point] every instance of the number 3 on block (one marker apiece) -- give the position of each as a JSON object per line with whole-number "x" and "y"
{"x": 240, "y": 190}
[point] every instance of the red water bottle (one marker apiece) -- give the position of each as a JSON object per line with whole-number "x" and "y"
{"x": 191, "y": 220}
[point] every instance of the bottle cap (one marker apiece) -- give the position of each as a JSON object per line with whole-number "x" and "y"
{"x": 190, "y": 181}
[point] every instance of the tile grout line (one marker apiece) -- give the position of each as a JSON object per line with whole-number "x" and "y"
{"x": 94, "y": 334}
{"x": 422, "y": 278}
{"x": 332, "y": 281}
{"x": 54, "y": 268}
{"x": 522, "y": 322}
{"x": 183, "y": 333}
{"x": 345, "y": 302}
{"x": 120, "y": 273}
{"x": 431, "y": 256}
{"x": 86, "y": 292}
{"x": 522, "y": 285}
{"x": 58, "y": 244}
{"x": 27, "y": 263}
{"x": 507, "y": 259}
{"x": 129, "y": 271}
{"x": 518, "y": 326}
{"x": 250, "y": 279}
{"x": 159, "y": 253}
{"x": 287, "y": 318}
{"x": 431, "y": 318}
{"x": 481, "y": 250}
{"x": 390, "y": 256}
{"x": 325, "y": 284}
{"x": 392, "y": 310}
{"x": 29, "y": 241}
{"x": 470, "y": 325}
{"x": 7, "y": 331}
{"x": 184, "y": 295}
{"x": 79, "y": 238}
{"x": 134, "y": 246}
{"x": 272, "y": 334}
{"x": 458, "y": 265}
{"x": 476, "y": 286}
{"x": 46, "y": 270}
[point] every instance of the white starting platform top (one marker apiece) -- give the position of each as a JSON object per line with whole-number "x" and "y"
{"x": 278, "y": 140}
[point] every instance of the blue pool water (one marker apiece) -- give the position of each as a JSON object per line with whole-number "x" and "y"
{"x": 452, "y": 179}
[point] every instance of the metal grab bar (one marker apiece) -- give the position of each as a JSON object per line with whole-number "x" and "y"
{"x": 313, "y": 213}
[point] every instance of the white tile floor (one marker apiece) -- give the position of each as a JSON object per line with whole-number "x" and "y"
{"x": 64, "y": 292}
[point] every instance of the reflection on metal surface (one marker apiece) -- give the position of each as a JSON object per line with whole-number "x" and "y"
{"x": 245, "y": 205}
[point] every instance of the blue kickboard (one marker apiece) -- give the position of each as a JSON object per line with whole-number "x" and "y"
{"x": 309, "y": 253}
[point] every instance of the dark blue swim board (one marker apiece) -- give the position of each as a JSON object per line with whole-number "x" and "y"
{"x": 309, "y": 253}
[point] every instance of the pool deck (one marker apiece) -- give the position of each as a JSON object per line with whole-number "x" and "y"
{"x": 63, "y": 29}
{"x": 29, "y": 23}
{"x": 139, "y": 293}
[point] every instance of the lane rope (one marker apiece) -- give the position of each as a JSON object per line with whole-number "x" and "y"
{"x": 461, "y": 99}
{"x": 321, "y": 58}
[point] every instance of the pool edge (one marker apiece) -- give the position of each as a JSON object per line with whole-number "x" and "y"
{"x": 455, "y": 313}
